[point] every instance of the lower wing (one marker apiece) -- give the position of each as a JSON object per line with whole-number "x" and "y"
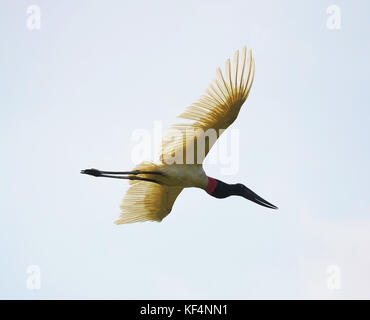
{"x": 147, "y": 201}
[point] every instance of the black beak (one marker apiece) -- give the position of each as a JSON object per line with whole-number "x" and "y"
{"x": 250, "y": 195}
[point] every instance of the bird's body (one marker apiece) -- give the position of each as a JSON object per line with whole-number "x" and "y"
{"x": 156, "y": 185}
{"x": 184, "y": 175}
{"x": 177, "y": 175}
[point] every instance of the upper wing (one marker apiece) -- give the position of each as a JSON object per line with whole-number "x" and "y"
{"x": 215, "y": 110}
{"x": 147, "y": 201}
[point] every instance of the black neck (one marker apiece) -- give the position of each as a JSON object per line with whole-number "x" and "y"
{"x": 224, "y": 190}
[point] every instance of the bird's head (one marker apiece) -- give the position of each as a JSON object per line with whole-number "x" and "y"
{"x": 220, "y": 189}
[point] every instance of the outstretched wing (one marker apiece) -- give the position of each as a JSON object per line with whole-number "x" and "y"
{"x": 147, "y": 201}
{"x": 215, "y": 110}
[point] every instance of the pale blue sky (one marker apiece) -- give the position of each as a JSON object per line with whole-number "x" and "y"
{"x": 72, "y": 93}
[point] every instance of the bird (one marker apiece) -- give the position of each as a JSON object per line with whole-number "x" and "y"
{"x": 155, "y": 185}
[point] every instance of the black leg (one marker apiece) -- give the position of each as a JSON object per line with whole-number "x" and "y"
{"x": 104, "y": 174}
{"x": 97, "y": 173}
{"x": 128, "y": 178}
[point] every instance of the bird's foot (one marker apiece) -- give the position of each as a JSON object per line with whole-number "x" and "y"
{"x": 92, "y": 172}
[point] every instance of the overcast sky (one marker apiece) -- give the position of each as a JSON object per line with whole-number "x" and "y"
{"x": 73, "y": 92}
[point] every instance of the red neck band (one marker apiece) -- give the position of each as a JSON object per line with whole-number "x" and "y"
{"x": 212, "y": 183}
